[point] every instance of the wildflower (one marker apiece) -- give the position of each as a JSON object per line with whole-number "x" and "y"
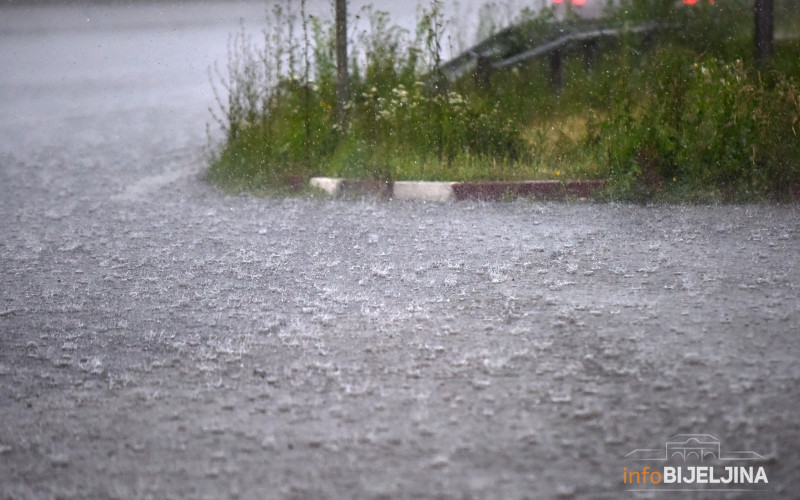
{"x": 454, "y": 98}
{"x": 400, "y": 92}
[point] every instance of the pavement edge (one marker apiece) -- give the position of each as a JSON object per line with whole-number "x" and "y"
{"x": 456, "y": 191}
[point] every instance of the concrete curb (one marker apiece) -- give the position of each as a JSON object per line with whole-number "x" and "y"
{"x": 455, "y": 191}
{"x": 424, "y": 191}
{"x": 544, "y": 190}
{"x": 327, "y": 184}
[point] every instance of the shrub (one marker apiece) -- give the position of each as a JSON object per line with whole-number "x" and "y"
{"x": 704, "y": 124}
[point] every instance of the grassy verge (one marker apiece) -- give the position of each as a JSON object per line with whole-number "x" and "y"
{"x": 684, "y": 116}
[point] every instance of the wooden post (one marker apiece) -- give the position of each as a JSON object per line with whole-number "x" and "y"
{"x": 343, "y": 79}
{"x": 483, "y": 72}
{"x": 556, "y": 70}
{"x": 589, "y": 54}
{"x": 764, "y": 34}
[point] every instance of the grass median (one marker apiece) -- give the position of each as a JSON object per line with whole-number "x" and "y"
{"x": 685, "y": 115}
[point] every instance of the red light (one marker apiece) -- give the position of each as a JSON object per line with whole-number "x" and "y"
{"x": 689, "y": 2}
{"x": 578, "y": 2}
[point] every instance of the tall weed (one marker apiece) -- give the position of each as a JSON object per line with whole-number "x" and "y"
{"x": 704, "y": 124}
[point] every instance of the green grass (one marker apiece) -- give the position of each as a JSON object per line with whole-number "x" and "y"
{"x": 681, "y": 117}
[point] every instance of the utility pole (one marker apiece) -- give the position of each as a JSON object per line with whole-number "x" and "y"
{"x": 764, "y": 33}
{"x": 343, "y": 80}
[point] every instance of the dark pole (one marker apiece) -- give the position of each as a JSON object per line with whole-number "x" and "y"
{"x": 483, "y": 72}
{"x": 343, "y": 83}
{"x": 764, "y": 31}
{"x": 556, "y": 71}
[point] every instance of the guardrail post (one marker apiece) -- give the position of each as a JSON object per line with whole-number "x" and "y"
{"x": 589, "y": 54}
{"x": 764, "y": 31}
{"x": 556, "y": 70}
{"x": 483, "y": 72}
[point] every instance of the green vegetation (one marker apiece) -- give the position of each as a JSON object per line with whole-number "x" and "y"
{"x": 683, "y": 115}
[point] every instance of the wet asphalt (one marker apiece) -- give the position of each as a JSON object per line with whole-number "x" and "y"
{"x": 160, "y": 339}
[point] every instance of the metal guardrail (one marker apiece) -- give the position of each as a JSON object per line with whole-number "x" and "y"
{"x": 559, "y": 43}
{"x": 496, "y": 53}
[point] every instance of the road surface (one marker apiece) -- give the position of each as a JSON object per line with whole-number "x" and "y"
{"x": 159, "y": 339}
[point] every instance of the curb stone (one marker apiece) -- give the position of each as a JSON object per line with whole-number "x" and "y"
{"x": 457, "y": 191}
{"x": 327, "y": 184}
{"x": 424, "y": 191}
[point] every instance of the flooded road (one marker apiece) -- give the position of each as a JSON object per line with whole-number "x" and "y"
{"x": 159, "y": 339}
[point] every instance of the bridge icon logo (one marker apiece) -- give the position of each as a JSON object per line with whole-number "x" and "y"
{"x": 696, "y": 448}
